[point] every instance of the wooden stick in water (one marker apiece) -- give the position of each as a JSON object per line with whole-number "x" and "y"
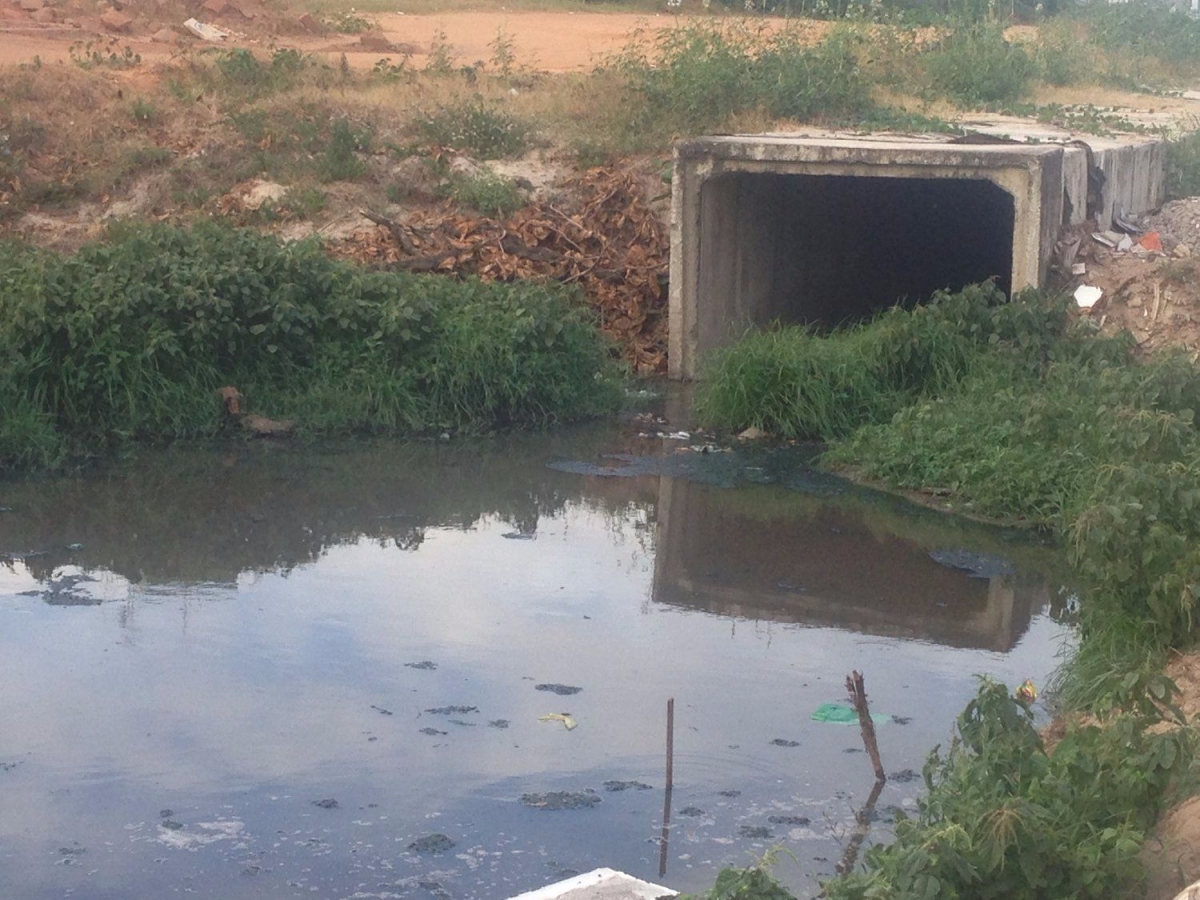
{"x": 858, "y": 696}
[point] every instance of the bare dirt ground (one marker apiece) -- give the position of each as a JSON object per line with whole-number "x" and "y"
{"x": 550, "y": 41}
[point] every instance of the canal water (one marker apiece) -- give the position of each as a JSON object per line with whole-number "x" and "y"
{"x": 273, "y": 671}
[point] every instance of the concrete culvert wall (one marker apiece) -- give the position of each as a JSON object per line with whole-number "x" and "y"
{"x": 827, "y": 249}
{"x": 808, "y": 229}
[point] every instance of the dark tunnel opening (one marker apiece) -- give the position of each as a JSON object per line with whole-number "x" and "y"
{"x": 833, "y": 249}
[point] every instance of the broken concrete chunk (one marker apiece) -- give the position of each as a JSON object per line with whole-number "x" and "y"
{"x": 206, "y": 32}
{"x": 116, "y": 21}
{"x": 376, "y": 42}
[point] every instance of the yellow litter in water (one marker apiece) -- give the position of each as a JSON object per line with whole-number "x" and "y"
{"x": 1027, "y": 691}
{"x": 565, "y": 718}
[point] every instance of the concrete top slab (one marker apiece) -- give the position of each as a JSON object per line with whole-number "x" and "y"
{"x": 599, "y": 884}
{"x": 876, "y": 150}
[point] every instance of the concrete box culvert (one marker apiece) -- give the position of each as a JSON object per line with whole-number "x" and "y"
{"x": 778, "y": 228}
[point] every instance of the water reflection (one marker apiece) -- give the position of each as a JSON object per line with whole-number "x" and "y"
{"x": 194, "y": 648}
{"x": 762, "y": 553}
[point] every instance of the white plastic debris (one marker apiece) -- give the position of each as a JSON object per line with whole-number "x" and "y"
{"x": 1087, "y": 296}
{"x": 1079, "y": 269}
{"x": 206, "y": 32}
{"x": 1125, "y": 244}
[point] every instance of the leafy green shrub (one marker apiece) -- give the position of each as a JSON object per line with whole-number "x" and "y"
{"x": 128, "y": 340}
{"x": 1006, "y": 819}
{"x": 696, "y": 78}
{"x": 977, "y": 66}
{"x": 476, "y": 128}
{"x": 340, "y": 161}
{"x": 242, "y": 71}
{"x": 486, "y": 192}
{"x": 1146, "y": 29}
{"x": 1183, "y": 166}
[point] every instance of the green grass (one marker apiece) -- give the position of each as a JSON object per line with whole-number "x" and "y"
{"x": 977, "y": 67}
{"x": 128, "y": 340}
{"x": 1183, "y": 166}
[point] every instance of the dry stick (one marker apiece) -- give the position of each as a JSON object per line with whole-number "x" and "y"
{"x": 858, "y": 696}
{"x": 862, "y": 820}
{"x": 666, "y": 823}
{"x": 862, "y": 824}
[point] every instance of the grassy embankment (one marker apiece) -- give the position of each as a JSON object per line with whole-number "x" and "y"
{"x": 128, "y": 341}
{"x": 1018, "y": 414}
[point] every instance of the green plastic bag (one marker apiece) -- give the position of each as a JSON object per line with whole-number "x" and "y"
{"x": 844, "y": 715}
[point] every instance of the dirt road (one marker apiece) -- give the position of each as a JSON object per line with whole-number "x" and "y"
{"x": 549, "y": 41}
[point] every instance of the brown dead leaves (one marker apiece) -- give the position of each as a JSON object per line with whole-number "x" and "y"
{"x": 603, "y": 237}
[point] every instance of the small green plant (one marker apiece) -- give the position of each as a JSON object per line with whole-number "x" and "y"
{"x": 340, "y": 161}
{"x": 143, "y": 112}
{"x": 98, "y": 53}
{"x": 486, "y": 192}
{"x": 475, "y": 127}
{"x": 504, "y": 55}
{"x": 347, "y": 22}
{"x": 386, "y": 70}
{"x": 441, "y": 59}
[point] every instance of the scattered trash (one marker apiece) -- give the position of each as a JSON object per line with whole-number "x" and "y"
{"x": 74, "y": 547}
{"x": 840, "y": 714}
{"x": 1087, "y": 296}
{"x": 1027, "y": 691}
{"x": 432, "y": 843}
{"x": 789, "y": 820}
{"x": 452, "y": 710}
{"x": 563, "y": 690}
{"x": 207, "y": 32}
{"x": 729, "y": 793}
{"x": 1079, "y": 269}
{"x": 498, "y": 723}
{"x": 426, "y": 665}
{"x": 462, "y": 723}
{"x": 692, "y": 812}
{"x": 1124, "y": 223}
{"x": 1107, "y": 238}
{"x": 381, "y": 710}
{"x": 784, "y": 742}
{"x": 565, "y": 718}
{"x": 328, "y": 803}
{"x": 433, "y": 732}
{"x": 627, "y": 786}
{"x": 556, "y": 800}
{"x": 1152, "y": 241}
{"x": 1125, "y": 244}
{"x": 171, "y": 825}
{"x": 904, "y": 776}
{"x": 519, "y": 536}
{"x": 754, "y": 831}
{"x": 753, "y": 433}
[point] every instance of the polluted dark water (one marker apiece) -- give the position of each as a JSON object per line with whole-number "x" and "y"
{"x": 384, "y": 670}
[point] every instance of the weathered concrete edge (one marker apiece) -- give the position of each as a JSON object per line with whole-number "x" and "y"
{"x": 599, "y": 883}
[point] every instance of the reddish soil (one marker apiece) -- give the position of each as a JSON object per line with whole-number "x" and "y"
{"x": 549, "y": 41}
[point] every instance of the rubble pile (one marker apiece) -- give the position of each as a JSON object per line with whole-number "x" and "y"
{"x": 599, "y": 232}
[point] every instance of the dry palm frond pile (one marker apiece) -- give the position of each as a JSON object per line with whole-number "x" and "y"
{"x": 605, "y": 238}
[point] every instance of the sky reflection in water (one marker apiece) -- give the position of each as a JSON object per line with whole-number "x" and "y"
{"x": 246, "y": 649}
